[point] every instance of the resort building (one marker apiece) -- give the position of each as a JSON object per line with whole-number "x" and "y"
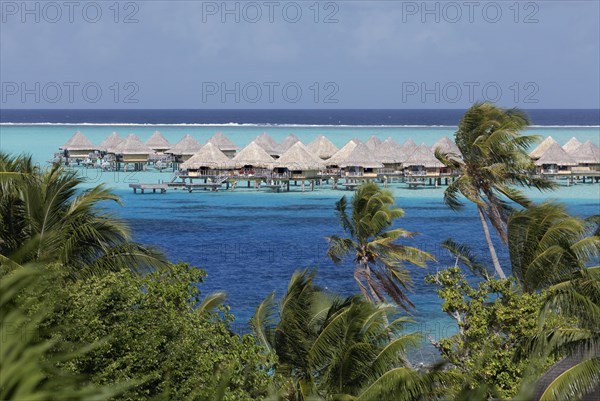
{"x": 208, "y": 161}
{"x": 184, "y": 149}
{"x": 422, "y": 162}
{"x": 253, "y": 161}
{"x": 390, "y": 154}
{"x": 571, "y": 145}
{"x": 587, "y": 156}
{"x": 361, "y": 163}
{"x": 541, "y": 148}
{"x": 224, "y": 144}
{"x": 447, "y": 147}
{"x": 109, "y": 144}
{"x": 333, "y": 163}
{"x": 297, "y": 163}
{"x": 132, "y": 150}
{"x": 287, "y": 143}
{"x": 373, "y": 143}
{"x": 555, "y": 161}
{"x": 78, "y": 148}
{"x": 266, "y": 142}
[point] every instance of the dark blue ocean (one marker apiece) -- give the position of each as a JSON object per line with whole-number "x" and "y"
{"x": 251, "y": 242}
{"x": 354, "y": 117}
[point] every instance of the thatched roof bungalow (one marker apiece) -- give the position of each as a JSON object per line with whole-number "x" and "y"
{"x": 224, "y": 144}
{"x": 253, "y": 158}
{"x": 298, "y": 163}
{"x": 208, "y": 160}
{"x": 132, "y": 150}
{"x": 185, "y": 148}
{"x": 541, "y": 148}
{"x": 109, "y": 144}
{"x": 446, "y": 146}
{"x": 287, "y": 143}
{"x": 322, "y": 147}
{"x": 555, "y": 160}
{"x": 341, "y": 154}
{"x": 390, "y": 154}
{"x": 423, "y": 162}
{"x": 361, "y": 162}
{"x": 587, "y": 156}
{"x": 158, "y": 142}
{"x": 78, "y": 146}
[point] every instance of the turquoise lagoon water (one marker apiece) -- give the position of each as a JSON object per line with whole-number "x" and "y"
{"x": 251, "y": 241}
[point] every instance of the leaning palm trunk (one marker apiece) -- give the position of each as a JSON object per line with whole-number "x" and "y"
{"x": 488, "y": 238}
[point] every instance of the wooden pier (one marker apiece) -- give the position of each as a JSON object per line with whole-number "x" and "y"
{"x": 154, "y": 187}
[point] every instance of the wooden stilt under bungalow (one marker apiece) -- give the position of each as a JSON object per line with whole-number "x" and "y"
{"x": 224, "y": 144}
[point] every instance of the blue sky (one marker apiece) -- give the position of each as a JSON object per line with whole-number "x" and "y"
{"x": 304, "y": 54}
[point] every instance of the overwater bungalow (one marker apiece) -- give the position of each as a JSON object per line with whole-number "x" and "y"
{"x": 408, "y": 147}
{"x": 109, "y": 144}
{"x": 361, "y": 163}
{"x": 422, "y": 162}
{"x": 555, "y": 161}
{"x": 158, "y": 142}
{"x": 133, "y": 150}
{"x": 184, "y": 149}
{"x": 224, "y": 144}
{"x": 541, "y": 148}
{"x": 587, "y": 156}
{"x": 373, "y": 143}
{"x": 571, "y": 145}
{"x": 78, "y": 148}
{"x": 297, "y": 163}
{"x": 266, "y": 142}
{"x": 208, "y": 161}
{"x": 390, "y": 154}
{"x": 287, "y": 143}
{"x": 333, "y": 163}
{"x": 253, "y": 160}
{"x": 322, "y": 147}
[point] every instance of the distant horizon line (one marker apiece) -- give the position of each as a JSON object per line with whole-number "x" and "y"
{"x": 277, "y": 109}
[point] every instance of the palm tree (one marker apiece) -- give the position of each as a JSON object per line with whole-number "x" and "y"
{"x": 577, "y": 300}
{"x": 494, "y": 159}
{"x": 379, "y": 269}
{"x": 330, "y": 348}
{"x": 44, "y": 216}
{"x": 548, "y": 246}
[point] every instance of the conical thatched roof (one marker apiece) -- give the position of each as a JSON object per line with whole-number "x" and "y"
{"x": 186, "y": 146}
{"x": 571, "y": 145}
{"x": 288, "y": 142}
{"x": 361, "y": 156}
{"x": 409, "y": 147}
{"x": 132, "y": 145}
{"x": 555, "y": 154}
{"x": 266, "y": 142}
{"x": 78, "y": 142}
{"x": 446, "y": 145}
{"x": 541, "y": 148}
{"x": 111, "y": 142}
{"x": 422, "y": 156}
{"x": 322, "y": 147}
{"x": 253, "y": 155}
{"x": 341, "y": 154}
{"x": 297, "y": 157}
{"x": 158, "y": 142}
{"x": 209, "y": 156}
{"x": 373, "y": 142}
{"x": 389, "y": 152}
{"x": 586, "y": 153}
{"x": 222, "y": 142}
